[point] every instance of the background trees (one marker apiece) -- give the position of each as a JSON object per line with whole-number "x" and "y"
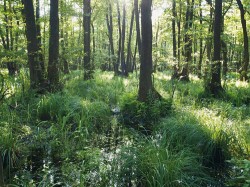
{"x": 111, "y": 35}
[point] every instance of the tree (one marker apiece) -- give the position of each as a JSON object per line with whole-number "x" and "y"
{"x": 244, "y": 68}
{"x": 35, "y": 69}
{"x": 1, "y": 172}
{"x": 137, "y": 22}
{"x": 109, "y": 21}
{"x": 184, "y": 75}
{"x": 39, "y": 36}
{"x": 123, "y": 63}
{"x": 215, "y": 83}
{"x": 173, "y": 28}
{"x": 53, "y": 65}
{"x": 146, "y": 69}
{"x": 88, "y": 70}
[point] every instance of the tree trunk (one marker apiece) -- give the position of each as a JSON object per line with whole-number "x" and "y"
{"x": 39, "y": 36}
{"x": 138, "y": 30}
{"x": 215, "y": 83}
{"x": 179, "y": 35}
{"x": 109, "y": 20}
{"x": 36, "y": 74}
{"x": 64, "y": 42}
{"x": 173, "y": 29}
{"x": 188, "y": 41}
{"x": 225, "y": 58}
{"x": 123, "y": 63}
{"x": 53, "y": 65}
{"x": 88, "y": 70}
{"x": 201, "y": 44}
{"x": 244, "y": 68}
{"x": 145, "y": 83}
{"x": 128, "y": 61}
{"x": 1, "y": 172}
{"x": 119, "y": 39}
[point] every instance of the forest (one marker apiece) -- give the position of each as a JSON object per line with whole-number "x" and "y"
{"x": 117, "y": 93}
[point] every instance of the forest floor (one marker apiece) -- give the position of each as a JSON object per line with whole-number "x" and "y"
{"x": 96, "y": 133}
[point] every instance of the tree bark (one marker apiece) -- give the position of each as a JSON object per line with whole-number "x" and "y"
{"x": 201, "y": 44}
{"x": 123, "y": 63}
{"x": 173, "y": 29}
{"x": 145, "y": 82}
{"x": 215, "y": 83}
{"x": 138, "y": 30}
{"x": 119, "y": 39}
{"x": 36, "y": 74}
{"x": 53, "y": 65}
{"x": 1, "y": 172}
{"x": 88, "y": 70}
{"x": 128, "y": 60}
{"x": 39, "y": 36}
{"x": 188, "y": 41}
{"x": 244, "y": 68}
{"x": 109, "y": 21}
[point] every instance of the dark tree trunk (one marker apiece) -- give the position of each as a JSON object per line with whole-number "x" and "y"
{"x": 123, "y": 63}
{"x": 138, "y": 30}
{"x": 184, "y": 75}
{"x": 88, "y": 70}
{"x": 39, "y": 36}
{"x": 1, "y": 172}
{"x": 93, "y": 45}
{"x": 201, "y": 44}
{"x": 244, "y": 68}
{"x": 119, "y": 39}
{"x": 12, "y": 67}
{"x": 128, "y": 61}
{"x": 109, "y": 20}
{"x": 36, "y": 74}
{"x": 64, "y": 43}
{"x": 225, "y": 58}
{"x": 179, "y": 35}
{"x": 53, "y": 65}
{"x": 173, "y": 29}
{"x": 145, "y": 83}
{"x": 215, "y": 83}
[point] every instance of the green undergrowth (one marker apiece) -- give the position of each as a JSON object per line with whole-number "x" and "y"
{"x": 96, "y": 133}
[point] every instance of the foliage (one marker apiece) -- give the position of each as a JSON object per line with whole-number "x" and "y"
{"x": 142, "y": 115}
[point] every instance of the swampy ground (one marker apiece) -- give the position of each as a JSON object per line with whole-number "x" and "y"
{"x": 96, "y": 133}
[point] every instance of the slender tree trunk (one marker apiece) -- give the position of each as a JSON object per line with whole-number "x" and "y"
{"x": 88, "y": 70}
{"x": 128, "y": 61}
{"x": 215, "y": 83}
{"x": 109, "y": 20}
{"x": 64, "y": 42}
{"x": 12, "y": 68}
{"x": 173, "y": 29}
{"x": 93, "y": 45}
{"x": 36, "y": 74}
{"x": 123, "y": 63}
{"x": 225, "y": 58}
{"x": 39, "y": 36}
{"x": 53, "y": 65}
{"x": 188, "y": 41}
{"x": 138, "y": 30}
{"x": 179, "y": 35}
{"x": 1, "y": 172}
{"x": 201, "y": 44}
{"x": 119, "y": 39}
{"x": 244, "y": 68}
{"x": 145, "y": 83}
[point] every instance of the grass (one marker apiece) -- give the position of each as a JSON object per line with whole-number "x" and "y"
{"x": 194, "y": 140}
